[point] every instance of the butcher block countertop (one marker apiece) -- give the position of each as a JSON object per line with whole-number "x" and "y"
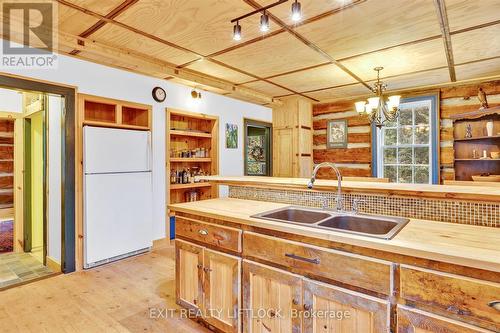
{"x": 471, "y": 246}
{"x": 472, "y": 193}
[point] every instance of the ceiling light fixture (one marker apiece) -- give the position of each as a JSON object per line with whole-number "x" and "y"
{"x": 296, "y": 11}
{"x": 264, "y": 22}
{"x": 237, "y": 31}
{"x": 377, "y": 108}
{"x": 264, "y": 19}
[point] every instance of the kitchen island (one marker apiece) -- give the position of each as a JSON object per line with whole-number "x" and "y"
{"x": 432, "y": 276}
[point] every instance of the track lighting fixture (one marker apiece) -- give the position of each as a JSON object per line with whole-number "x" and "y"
{"x": 264, "y": 22}
{"x": 237, "y": 31}
{"x": 195, "y": 94}
{"x": 264, "y": 19}
{"x": 296, "y": 11}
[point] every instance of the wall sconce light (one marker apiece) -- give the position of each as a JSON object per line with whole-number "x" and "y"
{"x": 195, "y": 94}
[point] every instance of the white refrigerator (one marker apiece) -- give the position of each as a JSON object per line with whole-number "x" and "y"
{"x": 117, "y": 194}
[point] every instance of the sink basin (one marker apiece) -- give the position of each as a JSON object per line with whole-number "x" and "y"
{"x": 296, "y": 215}
{"x": 366, "y": 225}
{"x": 384, "y": 227}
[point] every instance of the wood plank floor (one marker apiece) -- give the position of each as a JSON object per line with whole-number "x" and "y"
{"x": 112, "y": 298}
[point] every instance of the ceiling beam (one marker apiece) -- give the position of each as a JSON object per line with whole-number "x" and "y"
{"x": 99, "y": 24}
{"x": 416, "y": 90}
{"x": 141, "y": 63}
{"x": 165, "y": 42}
{"x": 445, "y": 32}
{"x": 311, "y": 45}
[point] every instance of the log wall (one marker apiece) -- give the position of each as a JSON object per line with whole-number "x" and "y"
{"x": 355, "y": 160}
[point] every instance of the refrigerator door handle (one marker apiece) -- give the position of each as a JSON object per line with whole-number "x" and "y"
{"x": 149, "y": 154}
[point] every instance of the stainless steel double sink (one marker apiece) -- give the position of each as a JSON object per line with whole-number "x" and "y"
{"x": 366, "y": 225}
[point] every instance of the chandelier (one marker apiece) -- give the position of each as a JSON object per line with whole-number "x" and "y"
{"x": 377, "y": 108}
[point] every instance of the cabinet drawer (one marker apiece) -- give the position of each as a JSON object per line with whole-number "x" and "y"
{"x": 220, "y": 236}
{"x": 412, "y": 320}
{"x": 355, "y": 270}
{"x": 460, "y": 297}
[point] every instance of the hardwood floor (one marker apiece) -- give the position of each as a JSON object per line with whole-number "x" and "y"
{"x": 112, "y": 298}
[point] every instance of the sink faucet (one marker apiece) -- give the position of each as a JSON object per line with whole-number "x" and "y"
{"x": 340, "y": 202}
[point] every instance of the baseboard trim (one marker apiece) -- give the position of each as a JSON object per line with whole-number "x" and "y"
{"x": 161, "y": 243}
{"x": 52, "y": 264}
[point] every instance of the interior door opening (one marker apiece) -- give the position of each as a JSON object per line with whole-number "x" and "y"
{"x": 258, "y": 154}
{"x": 30, "y": 233}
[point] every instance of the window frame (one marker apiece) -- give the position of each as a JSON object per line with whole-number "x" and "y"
{"x": 434, "y": 140}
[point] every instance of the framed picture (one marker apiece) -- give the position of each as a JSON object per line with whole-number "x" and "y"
{"x": 336, "y": 134}
{"x": 231, "y": 136}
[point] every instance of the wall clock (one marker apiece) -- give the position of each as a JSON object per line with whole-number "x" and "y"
{"x": 159, "y": 94}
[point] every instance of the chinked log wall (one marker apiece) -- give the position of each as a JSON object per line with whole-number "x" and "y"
{"x": 6, "y": 163}
{"x": 355, "y": 160}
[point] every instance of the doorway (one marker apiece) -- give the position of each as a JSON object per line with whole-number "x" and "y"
{"x": 24, "y": 231}
{"x": 258, "y": 145}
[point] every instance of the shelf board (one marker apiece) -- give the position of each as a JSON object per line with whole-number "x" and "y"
{"x": 476, "y": 159}
{"x": 190, "y": 133}
{"x": 476, "y": 114}
{"x": 190, "y": 160}
{"x": 190, "y": 185}
{"x": 479, "y": 138}
{"x": 114, "y": 125}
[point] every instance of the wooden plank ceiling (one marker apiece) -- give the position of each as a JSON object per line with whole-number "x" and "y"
{"x": 329, "y": 55}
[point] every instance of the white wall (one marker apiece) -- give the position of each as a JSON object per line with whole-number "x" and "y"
{"x": 11, "y": 101}
{"x": 105, "y": 81}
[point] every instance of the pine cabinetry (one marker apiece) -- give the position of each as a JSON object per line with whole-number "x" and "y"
{"x": 284, "y": 286}
{"x": 341, "y": 310}
{"x": 272, "y": 299}
{"x": 416, "y": 321}
{"x": 292, "y": 138}
{"x": 209, "y": 282}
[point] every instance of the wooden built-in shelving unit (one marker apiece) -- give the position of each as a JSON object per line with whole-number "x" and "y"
{"x": 189, "y": 131}
{"x": 465, "y": 164}
{"x": 105, "y": 112}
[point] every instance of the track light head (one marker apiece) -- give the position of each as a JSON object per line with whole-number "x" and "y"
{"x": 237, "y": 32}
{"x": 296, "y": 11}
{"x": 264, "y": 22}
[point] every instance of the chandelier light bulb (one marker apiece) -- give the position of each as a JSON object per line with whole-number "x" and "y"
{"x": 264, "y": 23}
{"x": 296, "y": 11}
{"x": 394, "y": 101}
{"x": 360, "y": 106}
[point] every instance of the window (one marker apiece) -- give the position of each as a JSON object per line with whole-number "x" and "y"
{"x": 407, "y": 148}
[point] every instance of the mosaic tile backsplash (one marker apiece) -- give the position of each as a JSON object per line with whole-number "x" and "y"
{"x": 454, "y": 211}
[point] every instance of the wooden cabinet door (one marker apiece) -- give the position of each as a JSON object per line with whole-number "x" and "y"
{"x": 284, "y": 161}
{"x": 332, "y": 309}
{"x": 188, "y": 274}
{"x": 271, "y": 299}
{"x": 221, "y": 287}
{"x": 417, "y": 321}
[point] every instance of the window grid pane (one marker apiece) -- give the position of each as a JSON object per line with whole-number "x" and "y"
{"x": 404, "y": 146}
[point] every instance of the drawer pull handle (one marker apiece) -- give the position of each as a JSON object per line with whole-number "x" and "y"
{"x": 207, "y": 270}
{"x": 295, "y": 301}
{"x": 199, "y": 266}
{"x": 203, "y": 232}
{"x": 296, "y": 257}
{"x": 307, "y": 307}
{"x": 495, "y": 305}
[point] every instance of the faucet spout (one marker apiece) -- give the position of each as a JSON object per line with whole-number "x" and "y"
{"x": 310, "y": 185}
